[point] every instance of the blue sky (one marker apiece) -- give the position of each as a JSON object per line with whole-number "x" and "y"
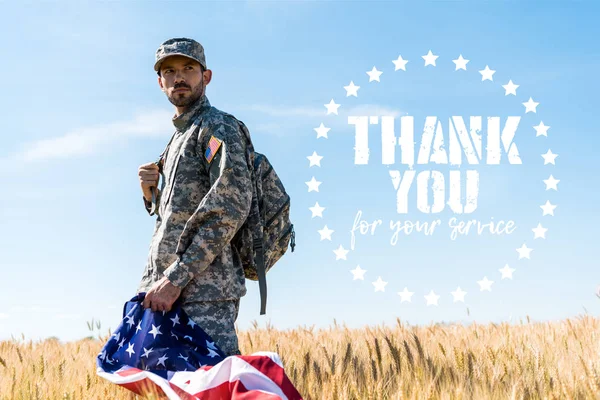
{"x": 81, "y": 110}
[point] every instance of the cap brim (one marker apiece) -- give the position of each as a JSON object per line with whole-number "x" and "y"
{"x": 160, "y": 60}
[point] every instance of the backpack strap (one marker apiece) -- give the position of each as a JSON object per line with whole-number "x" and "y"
{"x": 258, "y": 234}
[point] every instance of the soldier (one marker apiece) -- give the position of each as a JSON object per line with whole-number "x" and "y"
{"x": 204, "y": 199}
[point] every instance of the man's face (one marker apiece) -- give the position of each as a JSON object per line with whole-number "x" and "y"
{"x": 182, "y": 80}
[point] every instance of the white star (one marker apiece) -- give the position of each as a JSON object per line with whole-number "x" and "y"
{"x": 485, "y": 284}
{"x": 432, "y": 298}
{"x": 507, "y": 271}
{"x": 161, "y": 360}
{"x": 461, "y": 63}
{"x": 541, "y": 129}
{"x": 139, "y": 326}
{"x": 548, "y": 208}
{"x": 130, "y": 320}
{"x": 459, "y": 295}
{"x": 103, "y": 355}
{"x": 358, "y": 273}
{"x": 524, "y": 251}
{"x": 326, "y": 233}
{"x": 322, "y": 131}
{"x": 121, "y": 343}
{"x": 486, "y": 74}
{"x": 182, "y": 357}
{"x": 539, "y": 232}
{"x": 405, "y": 295}
{"x": 379, "y": 285}
{"x": 551, "y": 183}
{"x": 147, "y": 352}
{"x": 530, "y": 106}
{"x": 315, "y": 159}
{"x": 212, "y": 353}
{"x": 130, "y": 349}
{"x": 374, "y": 75}
{"x": 174, "y": 335}
{"x": 211, "y": 345}
{"x": 332, "y": 108}
{"x": 340, "y": 253}
{"x": 163, "y": 313}
{"x": 352, "y": 89}
{"x": 549, "y": 157}
{"x": 155, "y": 331}
{"x": 117, "y": 336}
{"x": 191, "y": 323}
{"x": 175, "y": 320}
{"x": 429, "y": 58}
{"x": 313, "y": 185}
{"x": 400, "y": 64}
{"x": 510, "y": 88}
{"x": 317, "y": 211}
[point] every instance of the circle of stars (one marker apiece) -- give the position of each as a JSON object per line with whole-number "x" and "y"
{"x": 524, "y": 252}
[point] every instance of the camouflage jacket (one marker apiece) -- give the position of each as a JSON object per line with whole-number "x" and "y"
{"x": 202, "y": 203}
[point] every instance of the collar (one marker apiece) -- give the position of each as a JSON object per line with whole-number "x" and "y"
{"x": 185, "y": 120}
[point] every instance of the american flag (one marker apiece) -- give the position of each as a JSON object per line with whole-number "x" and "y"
{"x": 169, "y": 354}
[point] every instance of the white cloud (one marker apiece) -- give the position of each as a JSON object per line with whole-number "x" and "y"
{"x": 285, "y": 111}
{"x": 88, "y": 140}
{"x": 4, "y": 316}
{"x": 68, "y": 316}
{"x": 33, "y": 309}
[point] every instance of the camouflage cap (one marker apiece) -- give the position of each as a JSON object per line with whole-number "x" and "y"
{"x": 180, "y": 46}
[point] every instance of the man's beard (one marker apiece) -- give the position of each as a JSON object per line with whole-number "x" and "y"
{"x": 196, "y": 93}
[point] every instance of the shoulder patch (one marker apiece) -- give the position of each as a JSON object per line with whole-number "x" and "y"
{"x": 213, "y": 145}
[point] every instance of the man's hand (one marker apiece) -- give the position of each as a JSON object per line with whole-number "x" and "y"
{"x": 162, "y": 295}
{"x": 148, "y": 174}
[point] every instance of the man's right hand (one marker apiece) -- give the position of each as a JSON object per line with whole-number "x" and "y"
{"x": 148, "y": 174}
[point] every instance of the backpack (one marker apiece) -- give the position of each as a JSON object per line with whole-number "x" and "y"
{"x": 265, "y": 235}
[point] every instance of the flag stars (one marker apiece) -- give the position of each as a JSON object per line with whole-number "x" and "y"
{"x": 161, "y": 360}
{"x": 130, "y": 349}
{"x": 182, "y": 357}
{"x": 130, "y": 320}
{"x": 175, "y": 320}
{"x": 155, "y": 331}
{"x": 147, "y": 352}
{"x": 191, "y": 323}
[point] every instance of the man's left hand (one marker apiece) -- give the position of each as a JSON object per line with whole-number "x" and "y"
{"x": 162, "y": 295}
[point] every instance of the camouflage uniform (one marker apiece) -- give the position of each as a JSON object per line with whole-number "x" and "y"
{"x": 201, "y": 205}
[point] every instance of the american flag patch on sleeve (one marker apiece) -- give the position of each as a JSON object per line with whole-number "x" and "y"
{"x": 211, "y": 150}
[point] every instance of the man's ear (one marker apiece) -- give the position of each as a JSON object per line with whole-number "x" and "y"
{"x": 207, "y": 76}
{"x": 160, "y": 84}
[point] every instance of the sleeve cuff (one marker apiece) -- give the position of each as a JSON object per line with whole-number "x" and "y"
{"x": 178, "y": 274}
{"x": 148, "y": 205}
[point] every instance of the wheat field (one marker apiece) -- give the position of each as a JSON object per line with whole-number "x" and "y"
{"x": 553, "y": 360}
